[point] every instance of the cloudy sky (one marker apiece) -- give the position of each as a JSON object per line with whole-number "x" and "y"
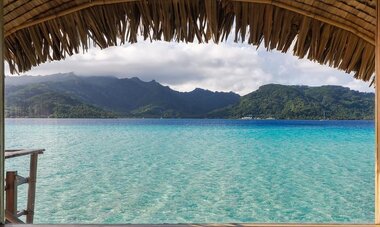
{"x": 228, "y": 66}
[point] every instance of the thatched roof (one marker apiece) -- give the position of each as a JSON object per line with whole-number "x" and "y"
{"x": 339, "y": 33}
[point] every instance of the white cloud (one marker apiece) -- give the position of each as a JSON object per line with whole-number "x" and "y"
{"x": 223, "y": 67}
{"x": 288, "y": 69}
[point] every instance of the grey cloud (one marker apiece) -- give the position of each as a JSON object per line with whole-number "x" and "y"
{"x": 224, "y": 67}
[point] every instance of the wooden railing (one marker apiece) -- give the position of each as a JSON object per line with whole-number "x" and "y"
{"x": 13, "y": 180}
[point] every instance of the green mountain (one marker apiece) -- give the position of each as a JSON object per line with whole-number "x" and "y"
{"x": 120, "y": 97}
{"x": 71, "y": 96}
{"x": 301, "y": 102}
{"x": 40, "y": 101}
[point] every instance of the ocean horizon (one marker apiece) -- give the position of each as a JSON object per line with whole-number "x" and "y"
{"x": 113, "y": 171}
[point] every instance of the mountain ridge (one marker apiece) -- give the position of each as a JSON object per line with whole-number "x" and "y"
{"x": 130, "y": 97}
{"x": 302, "y": 102}
{"x": 60, "y": 94}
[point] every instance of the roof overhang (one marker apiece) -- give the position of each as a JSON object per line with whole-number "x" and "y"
{"x": 339, "y": 33}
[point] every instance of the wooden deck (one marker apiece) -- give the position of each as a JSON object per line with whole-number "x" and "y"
{"x": 198, "y": 225}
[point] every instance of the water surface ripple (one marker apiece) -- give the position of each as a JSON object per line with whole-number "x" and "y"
{"x": 198, "y": 171}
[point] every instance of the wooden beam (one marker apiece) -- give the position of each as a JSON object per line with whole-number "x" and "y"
{"x": 12, "y": 219}
{"x": 11, "y": 192}
{"x": 2, "y": 150}
{"x": 377, "y": 116}
{"x": 32, "y": 188}
{"x": 22, "y": 152}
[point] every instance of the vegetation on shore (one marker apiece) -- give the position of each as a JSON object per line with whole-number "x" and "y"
{"x": 302, "y": 102}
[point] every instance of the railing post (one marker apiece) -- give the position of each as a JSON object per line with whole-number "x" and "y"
{"x": 11, "y": 192}
{"x": 32, "y": 188}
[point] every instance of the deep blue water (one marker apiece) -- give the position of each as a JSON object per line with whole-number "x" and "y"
{"x": 198, "y": 171}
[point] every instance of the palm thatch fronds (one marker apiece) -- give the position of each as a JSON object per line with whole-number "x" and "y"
{"x": 339, "y": 33}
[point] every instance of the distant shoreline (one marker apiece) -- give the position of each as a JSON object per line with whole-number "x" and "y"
{"x": 131, "y": 118}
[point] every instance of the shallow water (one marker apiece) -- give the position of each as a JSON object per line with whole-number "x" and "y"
{"x": 198, "y": 171}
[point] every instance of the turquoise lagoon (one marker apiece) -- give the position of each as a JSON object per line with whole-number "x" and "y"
{"x": 198, "y": 171}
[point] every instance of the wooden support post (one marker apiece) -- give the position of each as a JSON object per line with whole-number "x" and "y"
{"x": 377, "y": 116}
{"x": 11, "y": 192}
{"x": 32, "y": 188}
{"x": 2, "y": 149}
